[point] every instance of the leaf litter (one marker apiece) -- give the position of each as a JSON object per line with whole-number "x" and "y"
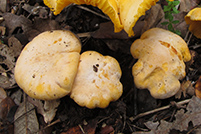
{"x": 21, "y": 21}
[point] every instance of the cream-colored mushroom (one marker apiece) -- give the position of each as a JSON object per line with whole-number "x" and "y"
{"x": 97, "y": 81}
{"x": 47, "y": 66}
{"x": 161, "y": 55}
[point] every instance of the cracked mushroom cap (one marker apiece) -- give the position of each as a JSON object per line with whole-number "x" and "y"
{"x": 161, "y": 55}
{"x": 47, "y": 66}
{"x": 193, "y": 18}
{"x": 97, "y": 81}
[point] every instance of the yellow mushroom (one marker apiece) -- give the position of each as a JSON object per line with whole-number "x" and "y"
{"x": 47, "y": 66}
{"x": 98, "y": 80}
{"x": 161, "y": 55}
{"x": 123, "y": 13}
{"x": 131, "y": 11}
{"x": 193, "y": 18}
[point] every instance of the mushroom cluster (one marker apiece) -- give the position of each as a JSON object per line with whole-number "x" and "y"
{"x": 123, "y": 13}
{"x": 51, "y": 67}
{"x": 161, "y": 55}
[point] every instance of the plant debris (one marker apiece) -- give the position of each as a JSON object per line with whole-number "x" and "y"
{"x": 136, "y": 111}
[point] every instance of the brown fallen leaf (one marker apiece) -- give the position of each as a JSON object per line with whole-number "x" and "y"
{"x": 106, "y": 31}
{"x": 3, "y": 94}
{"x": 153, "y": 17}
{"x": 42, "y": 25}
{"x": 198, "y": 88}
{"x": 47, "y": 110}
{"x": 90, "y": 128}
{"x": 187, "y": 5}
{"x": 182, "y": 119}
{"x": 36, "y": 10}
{"x": 7, "y": 59}
{"x": 2, "y": 30}
{"x": 107, "y": 130}
{"x": 5, "y": 106}
{"x": 186, "y": 88}
{"x": 3, "y": 5}
{"x": 73, "y": 130}
{"x": 12, "y": 22}
{"x": 25, "y": 119}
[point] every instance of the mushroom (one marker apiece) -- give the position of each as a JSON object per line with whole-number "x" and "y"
{"x": 123, "y": 13}
{"x": 193, "y": 18}
{"x": 161, "y": 55}
{"x": 97, "y": 81}
{"x": 131, "y": 11}
{"x": 47, "y": 66}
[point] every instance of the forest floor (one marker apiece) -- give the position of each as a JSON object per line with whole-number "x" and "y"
{"x": 136, "y": 111}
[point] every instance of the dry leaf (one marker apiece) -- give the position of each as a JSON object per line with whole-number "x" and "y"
{"x": 73, "y": 130}
{"x": 26, "y": 121}
{"x": 13, "y": 22}
{"x": 3, "y": 5}
{"x": 90, "y": 128}
{"x": 5, "y": 106}
{"x": 3, "y": 94}
{"x": 8, "y": 56}
{"x": 36, "y": 10}
{"x": 198, "y": 88}
{"x": 14, "y": 46}
{"x": 7, "y": 61}
{"x": 154, "y": 16}
{"x": 182, "y": 118}
{"x": 2, "y": 30}
{"x": 47, "y": 110}
{"x": 186, "y": 88}
{"x": 187, "y": 5}
{"x": 5, "y": 82}
{"x": 107, "y": 130}
{"x": 106, "y": 31}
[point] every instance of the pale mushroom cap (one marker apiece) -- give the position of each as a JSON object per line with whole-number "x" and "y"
{"x": 193, "y": 18}
{"x": 160, "y": 65}
{"x": 97, "y": 81}
{"x": 47, "y": 66}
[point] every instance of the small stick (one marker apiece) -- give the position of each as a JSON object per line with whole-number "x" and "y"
{"x": 89, "y": 10}
{"x": 158, "y": 109}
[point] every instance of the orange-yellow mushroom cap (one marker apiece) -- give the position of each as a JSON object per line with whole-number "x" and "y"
{"x": 47, "y": 66}
{"x": 131, "y": 11}
{"x": 98, "y": 80}
{"x": 123, "y": 13}
{"x": 193, "y": 18}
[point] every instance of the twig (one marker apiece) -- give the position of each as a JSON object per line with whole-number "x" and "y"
{"x": 81, "y": 129}
{"x": 87, "y": 34}
{"x": 158, "y": 109}
{"x": 89, "y": 10}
